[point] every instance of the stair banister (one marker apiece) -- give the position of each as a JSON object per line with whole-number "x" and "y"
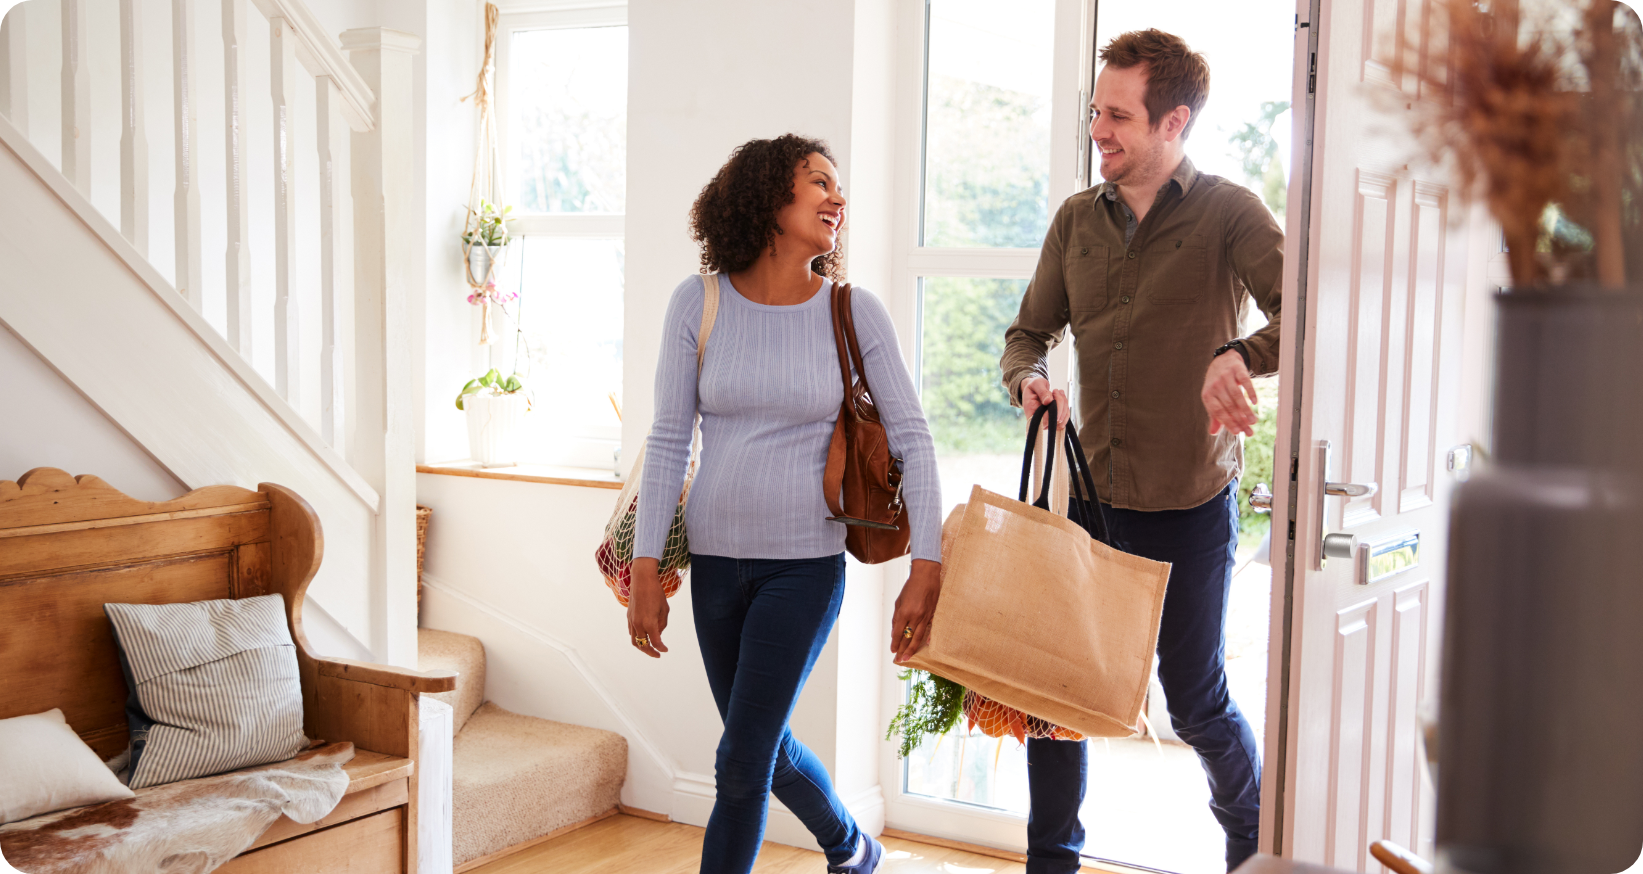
{"x": 386, "y": 231}
{"x": 76, "y": 96}
{"x": 237, "y": 227}
{"x": 14, "y": 70}
{"x": 189, "y": 272}
{"x": 133, "y": 135}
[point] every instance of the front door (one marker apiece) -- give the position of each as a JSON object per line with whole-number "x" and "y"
{"x": 1373, "y": 315}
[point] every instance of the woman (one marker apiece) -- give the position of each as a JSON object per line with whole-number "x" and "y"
{"x": 767, "y": 568}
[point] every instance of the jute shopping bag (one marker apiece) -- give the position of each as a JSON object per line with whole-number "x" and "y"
{"x": 1037, "y": 614}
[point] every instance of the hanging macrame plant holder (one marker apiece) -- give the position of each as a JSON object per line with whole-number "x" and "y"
{"x": 481, "y": 259}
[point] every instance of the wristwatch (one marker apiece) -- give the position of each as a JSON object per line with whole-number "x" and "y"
{"x": 1235, "y": 344}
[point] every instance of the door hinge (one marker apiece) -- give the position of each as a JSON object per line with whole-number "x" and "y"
{"x": 1294, "y": 469}
{"x": 1312, "y": 75}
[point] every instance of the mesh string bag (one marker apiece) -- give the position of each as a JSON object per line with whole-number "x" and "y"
{"x": 997, "y": 720}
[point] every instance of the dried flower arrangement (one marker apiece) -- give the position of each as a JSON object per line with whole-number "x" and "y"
{"x": 1541, "y": 123}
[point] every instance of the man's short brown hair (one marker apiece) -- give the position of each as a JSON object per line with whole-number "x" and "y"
{"x": 1176, "y": 75}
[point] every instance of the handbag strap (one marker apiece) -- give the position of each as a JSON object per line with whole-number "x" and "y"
{"x": 710, "y": 314}
{"x": 1049, "y": 459}
{"x": 1084, "y": 481}
{"x": 844, "y": 336}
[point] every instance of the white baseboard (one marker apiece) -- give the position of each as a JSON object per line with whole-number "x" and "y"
{"x": 693, "y": 796}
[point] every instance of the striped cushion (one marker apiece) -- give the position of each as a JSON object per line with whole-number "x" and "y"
{"x": 214, "y": 683}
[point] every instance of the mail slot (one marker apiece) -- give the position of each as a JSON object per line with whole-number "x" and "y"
{"x": 1387, "y": 558}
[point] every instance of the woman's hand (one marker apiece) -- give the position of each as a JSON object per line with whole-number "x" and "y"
{"x": 910, "y": 627}
{"x": 647, "y": 608}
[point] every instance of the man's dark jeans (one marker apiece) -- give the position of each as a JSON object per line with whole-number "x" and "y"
{"x": 761, "y": 624}
{"x": 1199, "y": 544}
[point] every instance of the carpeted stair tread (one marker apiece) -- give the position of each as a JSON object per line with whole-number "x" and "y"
{"x": 447, "y": 650}
{"x": 516, "y": 778}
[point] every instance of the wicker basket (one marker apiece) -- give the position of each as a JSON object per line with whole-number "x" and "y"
{"x": 422, "y": 515}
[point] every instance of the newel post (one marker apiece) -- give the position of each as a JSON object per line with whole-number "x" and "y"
{"x": 383, "y": 445}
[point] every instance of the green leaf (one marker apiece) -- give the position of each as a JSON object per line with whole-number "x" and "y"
{"x": 472, "y": 387}
{"x": 513, "y": 384}
{"x": 491, "y": 378}
{"x": 934, "y": 705}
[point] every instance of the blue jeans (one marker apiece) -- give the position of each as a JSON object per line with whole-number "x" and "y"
{"x": 1199, "y": 544}
{"x": 761, "y": 624}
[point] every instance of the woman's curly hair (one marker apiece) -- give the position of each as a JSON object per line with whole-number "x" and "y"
{"x": 734, "y": 218}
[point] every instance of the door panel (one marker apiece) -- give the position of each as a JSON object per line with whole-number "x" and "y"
{"x": 1377, "y": 310}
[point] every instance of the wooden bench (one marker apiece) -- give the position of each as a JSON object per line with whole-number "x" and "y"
{"x": 69, "y": 545}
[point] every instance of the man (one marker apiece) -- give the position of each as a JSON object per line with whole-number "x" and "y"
{"x": 1153, "y": 271}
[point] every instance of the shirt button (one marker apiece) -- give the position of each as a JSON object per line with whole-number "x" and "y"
{"x": 1084, "y": 251}
{"x": 1118, "y": 345}
{"x": 1117, "y": 441}
{"x": 1116, "y": 393}
{"x": 1132, "y": 254}
{"x": 1124, "y": 299}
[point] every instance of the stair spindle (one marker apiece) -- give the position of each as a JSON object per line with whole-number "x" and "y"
{"x": 334, "y": 224}
{"x": 133, "y": 136}
{"x": 14, "y": 69}
{"x": 237, "y": 259}
{"x": 186, "y": 202}
{"x": 76, "y": 94}
{"x": 284, "y": 76}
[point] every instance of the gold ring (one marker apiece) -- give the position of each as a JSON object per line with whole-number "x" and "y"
{"x": 907, "y": 632}
{"x": 642, "y": 641}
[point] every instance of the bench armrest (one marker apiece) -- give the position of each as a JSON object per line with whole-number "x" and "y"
{"x": 387, "y": 675}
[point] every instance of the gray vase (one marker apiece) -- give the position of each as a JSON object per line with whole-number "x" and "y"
{"x": 1541, "y": 719}
{"x": 480, "y": 259}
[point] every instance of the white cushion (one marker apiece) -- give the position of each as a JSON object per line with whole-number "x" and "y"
{"x": 44, "y": 766}
{"x": 217, "y": 685}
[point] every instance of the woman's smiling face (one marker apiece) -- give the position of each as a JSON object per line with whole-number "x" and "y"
{"x": 816, "y": 215}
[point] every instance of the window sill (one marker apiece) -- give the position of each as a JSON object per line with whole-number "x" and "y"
{"x": 530, "y": 473}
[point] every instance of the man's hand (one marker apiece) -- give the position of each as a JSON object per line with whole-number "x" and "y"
{"x": 910, "y": 626}
{"x": 1035, "y": 393}
{"x": 647, "y": 608}
{"x": 1225, "y": 387}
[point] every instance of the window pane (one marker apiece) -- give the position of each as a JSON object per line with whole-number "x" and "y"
{"x": 978, "y": 435}
{"x": 987, "y": 123}
{"x": 567, "y": 124}
{"x": 979, "y": 438}
{"x": 570, "y": 347}
{"x": 971, "y": 767}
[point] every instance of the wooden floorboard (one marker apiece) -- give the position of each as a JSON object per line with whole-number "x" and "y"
{"x": 630, "y": 845}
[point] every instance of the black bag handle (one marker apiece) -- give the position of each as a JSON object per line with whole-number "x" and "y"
{"x": 1082, "y": 480}
{"x": 1027, "y": 458}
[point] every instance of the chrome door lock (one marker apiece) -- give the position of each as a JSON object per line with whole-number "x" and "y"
{"x": 1260, "y": 499}
{"x": 1335, "y": 545}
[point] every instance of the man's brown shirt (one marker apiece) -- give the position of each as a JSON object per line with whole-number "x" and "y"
{"x": 1147, "y": 305}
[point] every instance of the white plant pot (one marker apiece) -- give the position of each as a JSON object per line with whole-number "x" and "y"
{"x": 494, "y": 425}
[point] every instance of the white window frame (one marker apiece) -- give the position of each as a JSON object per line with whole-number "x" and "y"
{"x": 597, "y": 447}
{"x": 1072, "y": 81}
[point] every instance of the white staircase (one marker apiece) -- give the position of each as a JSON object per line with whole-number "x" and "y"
{"x": 224, "y": 272}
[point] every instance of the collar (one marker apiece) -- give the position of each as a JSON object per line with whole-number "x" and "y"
{"x": 1184, "y": 177}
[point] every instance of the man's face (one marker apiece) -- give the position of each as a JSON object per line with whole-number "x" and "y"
{"x": 1131, "y": 150}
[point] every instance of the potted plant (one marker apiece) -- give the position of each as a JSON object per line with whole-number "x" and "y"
{"x": 1541, "y": 118}
{"x": 495, "y": 407}
{"x": 484, "y": 240}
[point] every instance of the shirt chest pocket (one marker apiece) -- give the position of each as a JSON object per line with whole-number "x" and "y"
{"x": 1085, "y": 268}
{"x": 1182, "y": 272}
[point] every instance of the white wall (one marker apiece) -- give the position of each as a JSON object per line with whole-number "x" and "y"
{"x": 512, "y": 562}
{"x": 48, "y": 423}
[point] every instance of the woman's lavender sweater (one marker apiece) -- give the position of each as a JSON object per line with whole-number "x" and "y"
{"x": 769, "y": 396}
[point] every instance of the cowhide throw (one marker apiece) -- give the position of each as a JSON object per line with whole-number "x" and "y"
{"x": 188, "y": 827}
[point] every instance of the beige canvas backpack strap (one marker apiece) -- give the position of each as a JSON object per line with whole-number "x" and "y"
{"x": 710, "y": 314}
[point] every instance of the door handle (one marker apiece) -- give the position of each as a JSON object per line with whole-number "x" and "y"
{"x": 1260, "y": 499}
{"x": 1335, "y": 545}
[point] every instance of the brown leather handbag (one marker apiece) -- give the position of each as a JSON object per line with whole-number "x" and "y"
{"x": 859, "y": 463}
